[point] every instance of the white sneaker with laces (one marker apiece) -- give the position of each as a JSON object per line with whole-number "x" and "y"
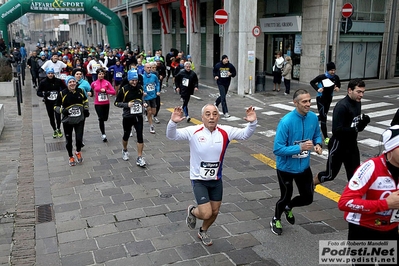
{"x": 104, "y": 137}
{"x": 226, "y": 115}
{"x": 145, "y": 118}
{"x": 125, "y": 155}
{"x": 156, "y": 121}
{"x": 152, "y": 129}
{"x": 140, "y": 161}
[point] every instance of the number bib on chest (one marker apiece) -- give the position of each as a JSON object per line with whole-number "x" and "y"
{"x": 395, "y": 216}
{"x": 185, "y": 82}
{"x": 118, "y": 74}
{"x": 74, "y": 111}
{"x": 224, "y": 74}
{"x": 102, "y": 97}
{"x": 209, "y": 170}
{"x": 302, "y": 154}
{"x": 137, "y": 108}
{"x": 63, "y": 76}
{"x": 53, "y": 96}
{"x": 150, "y": 87}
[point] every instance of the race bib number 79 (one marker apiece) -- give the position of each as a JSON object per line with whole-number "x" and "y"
{"x": 209, "y": 170}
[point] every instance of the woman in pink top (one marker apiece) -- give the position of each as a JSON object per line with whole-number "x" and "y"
{"x": 102, "y": 88}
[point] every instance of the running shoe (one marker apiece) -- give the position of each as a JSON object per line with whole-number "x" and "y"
{"x": 79, "y": 157}
{"x": 326, "y": 141}
{"x": 125, "y": 155}
{"x": 226, "y": 115}
{"x": 104, "y": 137}
{"x": 140, "y": 161}
{"x": 152, "y": 129}
{"x": 59, "y": 133}
{"x": 275, "y": 227}
{"x": 72, "y": 161}
{"x": 155, "y": 120}
{"x": 188, "y": 119}
{"x": 145, "y": 118}
{"x": 289, "y": 216}
{"x": 55, "y": 134}
{"x": 191, "y": 220}
{"x": 206, "y": 240}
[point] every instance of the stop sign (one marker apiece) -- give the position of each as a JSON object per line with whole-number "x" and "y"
{"x": 221, "y": 16}
{"x": 347, "y": 10}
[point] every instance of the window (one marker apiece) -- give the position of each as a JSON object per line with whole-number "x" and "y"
{"x": 369, "y": 10}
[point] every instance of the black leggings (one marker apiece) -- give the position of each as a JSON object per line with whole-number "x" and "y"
{"x": 304, "y": 182}
{"x": 323, "y": 105}
{"x": 137, "y": 122}
{"x": 339, "y": 153}
{"x": 357, "y": 232}
{"x": 52, "y": 115}
{"x": 186, "y": 99}
{"x": 158, "y": 101}
{"x": 68, "y": 129}
{"x": 102, "y": 113}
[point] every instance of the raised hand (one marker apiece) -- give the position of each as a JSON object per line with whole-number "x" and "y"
{"x": 177, "y": 115}
{"x": 251, "y": 115}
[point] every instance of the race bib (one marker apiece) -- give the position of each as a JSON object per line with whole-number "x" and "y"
{"x": 74, "y": 111}
{"x": 303, "y": 154}
{"x": 150, "y": 87}
{"x": 185, "y": 82}
{"x": 102, "y": 97}
{"x": 224, "y": 74}
{"x": 209, "y": 170}
{"x": 62, "y": 76}
{"x": 95, "y": 67}
{"x": 57, "y": 74}
{"x": 137, "y": 108}
{"x": 53, "y": 96}
{"x": 395, "y": 216}
{"x": 118, "y": 74}
{"x": 168, "y": 68}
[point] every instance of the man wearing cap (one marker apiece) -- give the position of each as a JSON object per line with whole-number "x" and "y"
{"x": 49, "y": 89}
{"x": 325, "y": 85}
{"x": 223, "y": 72}
{"x": 371, "y": 197}
{"x": 42, "y": 73}
{"x": 346, "y": 123}
{"x": 130, "y": 98}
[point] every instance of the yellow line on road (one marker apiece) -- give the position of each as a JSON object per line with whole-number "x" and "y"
{"x": 319, "y": 188}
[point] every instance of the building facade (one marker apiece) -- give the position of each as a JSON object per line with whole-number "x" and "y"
{"x": 312, "y": 32}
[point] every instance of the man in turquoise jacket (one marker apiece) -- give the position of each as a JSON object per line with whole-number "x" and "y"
{"x": 298, "y": 133}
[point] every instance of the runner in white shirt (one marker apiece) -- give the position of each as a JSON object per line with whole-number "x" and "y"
{"x": 55, "y": 64}
{"x": 208, "y": 143}
{"x": 93, "y": 65}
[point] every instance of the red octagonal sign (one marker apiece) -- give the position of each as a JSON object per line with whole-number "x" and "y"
{"x": 347, "y": 10}
{"x": 221, "y": 16}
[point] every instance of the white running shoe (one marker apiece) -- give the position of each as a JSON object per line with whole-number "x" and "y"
{"x": 104, "y": 137}
{"x": 125, "y": 155}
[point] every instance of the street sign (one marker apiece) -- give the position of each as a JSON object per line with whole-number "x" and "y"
{"x": 221, "y": 16}
{"x": 256, "y": 31}
{"x": 347, "y": 10}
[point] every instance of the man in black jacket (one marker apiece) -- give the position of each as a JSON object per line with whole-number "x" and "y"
{"x": 347, "y": 122}
{"x": 34, "y": 68}
{"x": 49, "y": 89}
{"x": 223, "y": 72}
{"x": 186, "y": 83}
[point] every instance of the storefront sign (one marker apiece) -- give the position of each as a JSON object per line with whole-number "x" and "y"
{"x": 281, "y": 24}
{"x": 298, "y": 44}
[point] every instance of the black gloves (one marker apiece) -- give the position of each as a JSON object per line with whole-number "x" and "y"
{"x": 86, "y": 113}
{"x": 363, "y": 122}
{"x": 65, "y": 111}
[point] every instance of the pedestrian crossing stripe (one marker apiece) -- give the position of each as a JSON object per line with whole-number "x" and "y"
{"x": 319, "y": 188}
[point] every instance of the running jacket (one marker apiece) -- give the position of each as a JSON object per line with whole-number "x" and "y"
{"x": 101, "y": 98}
{"x": 221, "y": 70}
{"x": 292, "y": 130}
{"x": 127, "y": 94}
{"x": 346, "y": 116}
{"x": 207, "y": 149}
{"x": 317, "y": 83}
{"x": 364, "y": 197}
{"x": 150, "y": 85}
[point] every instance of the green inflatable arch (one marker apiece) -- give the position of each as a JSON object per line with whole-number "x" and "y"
{"x": 12, "y": 10}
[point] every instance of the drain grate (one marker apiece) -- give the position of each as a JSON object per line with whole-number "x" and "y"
{"x": 44, "y": 213}
{"x": 55, "y": 146}
{"x": 35, "y": 105}
{"x": 165, "y": 195}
